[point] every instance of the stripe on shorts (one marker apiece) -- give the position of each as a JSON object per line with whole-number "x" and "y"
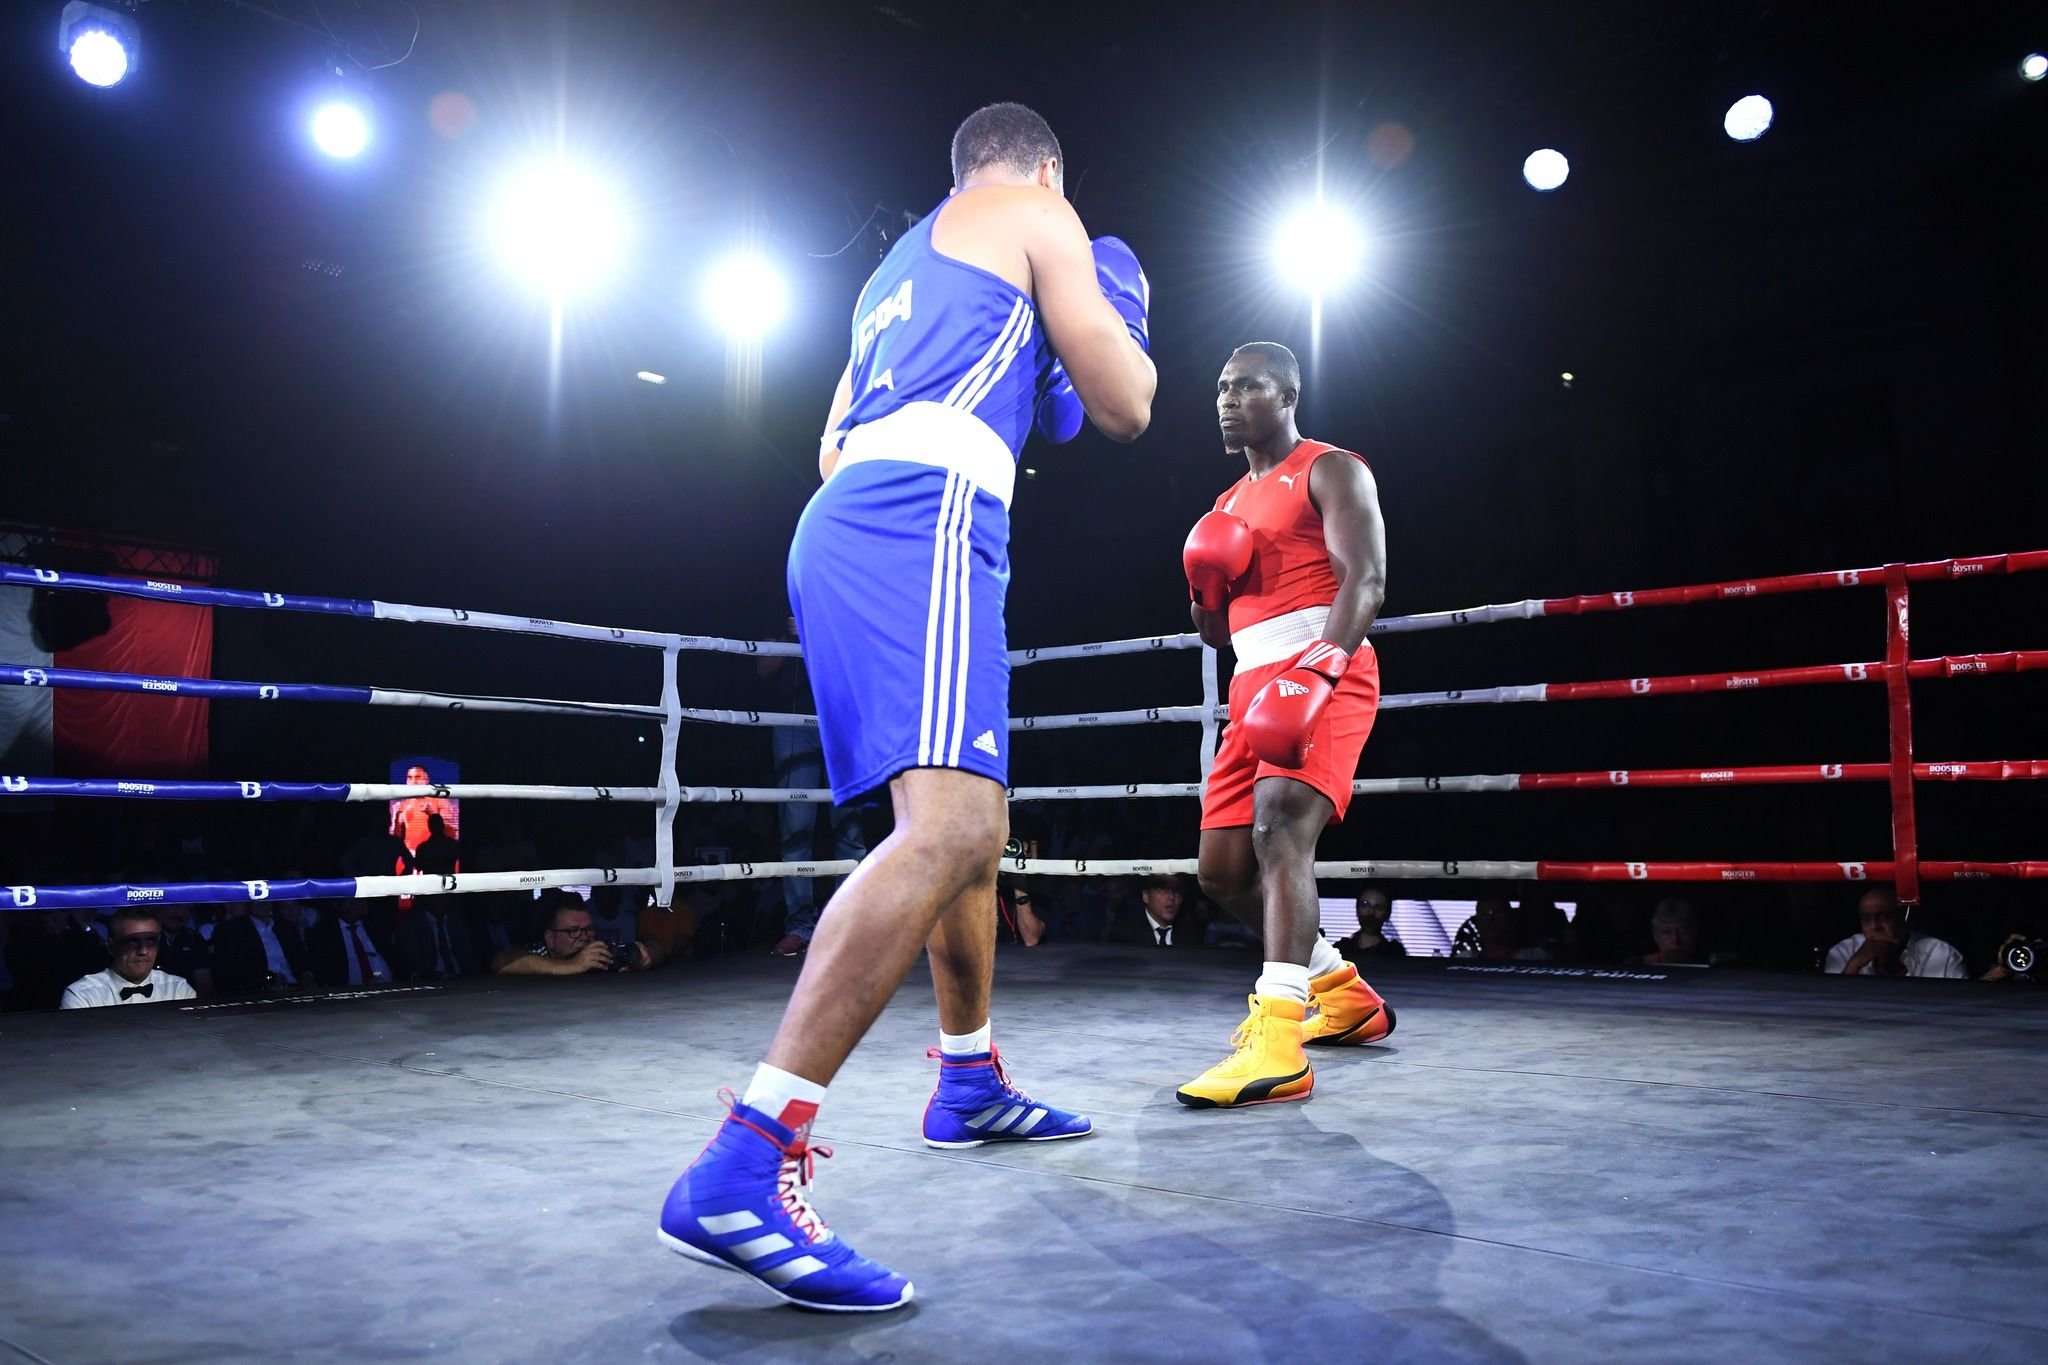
{"x": 948, "y": 628}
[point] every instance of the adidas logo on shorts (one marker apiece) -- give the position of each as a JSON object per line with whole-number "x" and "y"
{"x": 986, "y": 742}
{"x": 1292, "y": 689}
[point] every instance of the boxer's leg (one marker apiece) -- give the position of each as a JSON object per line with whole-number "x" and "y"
{"x": 950, "y": 827}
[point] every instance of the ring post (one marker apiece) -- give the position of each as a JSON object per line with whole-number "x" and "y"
{"x": 1898, "y": 686}
{"x": 1209, "y": 702}
{"x": 671, "y": 794}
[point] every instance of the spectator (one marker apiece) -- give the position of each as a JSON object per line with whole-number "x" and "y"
{"x": 88, "y": 921}
{"x": 1541, "y": 929}
{"x": 1488, "y": 934}
{"x": 1158, "y": 920}
{"x": 569, "y": 946}
{"x": 348, "y": 951}
{"x": 255, "y": 950}
{"x": 1609, "y": 931}
{"x": 1374, "y": 906}
{"x": 434, "y": 943}
{"x": 502, "y": 920}
{"x": 1675, "y": 929}
{"x": 800, "y": 765}
{"x": 185, "y": 951}
{"x": 134, "y": 978}
{"x": 1886, "y": 947}
{"x": 438, "y": 855}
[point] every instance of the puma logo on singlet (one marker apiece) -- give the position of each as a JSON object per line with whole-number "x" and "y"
{"x": 1289, "y": 479}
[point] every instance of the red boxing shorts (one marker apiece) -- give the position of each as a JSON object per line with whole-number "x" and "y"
{"x": 1332, "y": 759}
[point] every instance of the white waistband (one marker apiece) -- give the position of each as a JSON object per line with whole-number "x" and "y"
{"x": 1283, "y": 637}
{"x": 940, "y": 436}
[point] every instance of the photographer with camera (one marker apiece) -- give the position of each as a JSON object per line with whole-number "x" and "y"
{"x": 569, "y": 946}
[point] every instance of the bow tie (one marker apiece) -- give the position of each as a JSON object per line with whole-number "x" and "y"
{"x": 143, "y": 991}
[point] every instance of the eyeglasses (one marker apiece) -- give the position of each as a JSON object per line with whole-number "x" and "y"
{"x": 134, "y": 941}
{"x": 577, "y": 931}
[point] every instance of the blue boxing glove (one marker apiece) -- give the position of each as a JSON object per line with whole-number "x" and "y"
{"x": 1124, "y": 284}
{"x": 1059, "y": 411}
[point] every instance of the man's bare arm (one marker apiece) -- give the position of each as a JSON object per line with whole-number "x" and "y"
{"x": 1109, "y": 370}
{"x": 1344, "y": 491}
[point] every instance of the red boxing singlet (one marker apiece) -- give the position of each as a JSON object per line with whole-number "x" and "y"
{"x": 1290, "y": 559}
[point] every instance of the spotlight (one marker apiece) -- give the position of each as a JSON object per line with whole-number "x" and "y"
{"x": 2034, "y": 66}
{"x": 1748, "y": 118}
{"x": 340, "y": 130}
{"x": 1545, "y": 170}
{"x": 558, "y": 228}
{"x": 1318, "y": 247}
{"x": 745, "y": 295}
{"x": 650, "y": 377}
{"x": 100, "y": 43}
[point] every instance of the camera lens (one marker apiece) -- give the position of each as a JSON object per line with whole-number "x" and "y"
{"x": 2020, "y": 958}
{"x": 1013, "y": 847}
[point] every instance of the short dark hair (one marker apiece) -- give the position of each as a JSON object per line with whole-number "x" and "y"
{"x": 133, "y": 914}
{"x": 1006, "y": 137}
{"x": 1280, "y": 362}
{"x": 565, "y": 900}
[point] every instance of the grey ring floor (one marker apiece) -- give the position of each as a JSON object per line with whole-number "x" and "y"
{"x": 1533, "y": 1168}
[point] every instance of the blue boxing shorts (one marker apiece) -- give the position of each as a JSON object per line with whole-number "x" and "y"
{"x": 897, "y": 575}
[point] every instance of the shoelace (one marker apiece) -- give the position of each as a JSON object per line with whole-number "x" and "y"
{"x": 800, "y": 1160}
{"x": 996, "y": 1060}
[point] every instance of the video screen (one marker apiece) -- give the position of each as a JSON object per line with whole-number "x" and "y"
{"x": 429, "y": 825}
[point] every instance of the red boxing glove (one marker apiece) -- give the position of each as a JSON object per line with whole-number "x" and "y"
{"x": 1281, "y": 720}
{"x": 1218, "y": 553}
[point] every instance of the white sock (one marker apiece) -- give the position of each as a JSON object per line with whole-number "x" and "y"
{"x": 1284, "y": 981}
{"x": 961, "y": 1044}
{"x": 784, "y": 1096}
{"x": 1324, "y": 958}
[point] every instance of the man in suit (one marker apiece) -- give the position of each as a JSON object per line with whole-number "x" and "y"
{"x": 257, "y": 949}
{"x": 435, "y": 943}
{"x": 349, "y": 951}
{"x": 1160, "y": 919}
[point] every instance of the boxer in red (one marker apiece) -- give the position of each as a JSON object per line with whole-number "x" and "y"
{"x": 1289, "y": 570}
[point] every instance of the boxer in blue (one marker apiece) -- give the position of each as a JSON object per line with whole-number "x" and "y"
{"x": 994, "y": 313}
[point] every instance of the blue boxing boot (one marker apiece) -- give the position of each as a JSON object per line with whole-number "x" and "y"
{"x": 975, "y": 1103}
{"x": 745, "y": 1204}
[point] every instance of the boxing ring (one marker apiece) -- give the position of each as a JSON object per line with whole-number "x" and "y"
{"x": 1544, "y": 1164}
{"x": 1894, "y": 672}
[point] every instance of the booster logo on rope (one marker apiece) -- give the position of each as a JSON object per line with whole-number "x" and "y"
{"x": 13, "y": 784}
{"x": 24, "y": 896}
{"x": 258, "y": 891}
{"x": 34, "y": 677}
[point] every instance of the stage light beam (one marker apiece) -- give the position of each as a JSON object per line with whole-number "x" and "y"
{"x": 1546, "y": 169}
{"x": 745, "y": 295}
{"x": 101, "y": 44}
{"x": 1318, "y": 248}
{"x": 340, "y": 130}
{"x": 559, "y": 229}
{"x": 1748, "y": 118}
